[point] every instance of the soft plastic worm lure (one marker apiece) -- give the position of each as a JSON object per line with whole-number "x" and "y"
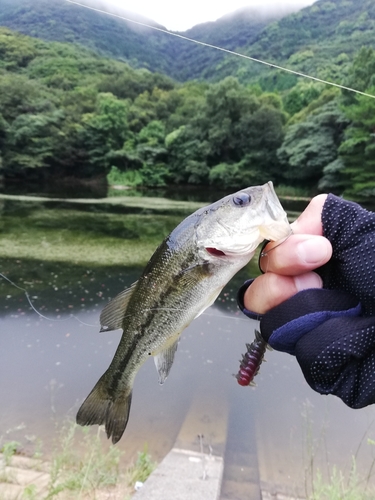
{"x": 251, "y": 360}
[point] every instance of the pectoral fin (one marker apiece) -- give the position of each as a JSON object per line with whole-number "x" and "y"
{"x": 112, "y": 316}
{"x": 164, "y": 361}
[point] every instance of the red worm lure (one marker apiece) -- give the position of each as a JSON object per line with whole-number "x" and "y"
{"x": 251, "y": 360}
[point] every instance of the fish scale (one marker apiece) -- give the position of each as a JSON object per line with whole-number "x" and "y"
{"x": 183, "y": 277}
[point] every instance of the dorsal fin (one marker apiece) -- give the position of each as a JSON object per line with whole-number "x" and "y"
{"x": 112, "y": 316}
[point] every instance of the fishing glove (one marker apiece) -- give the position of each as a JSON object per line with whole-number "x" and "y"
{"x": 331, "y": 331}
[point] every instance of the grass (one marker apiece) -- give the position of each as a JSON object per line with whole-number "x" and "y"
{"x": 79, "y": 472}
{"x": 8, "y": 451}
{"x": 340, "y": 487}
{"x": 56, "y": 235}
{"x": 293, "y": 192}
{"x": 138, "y": 202}
{"x": 142, "y": 467}
{"x": 333, "y": 483}
{"x": 130, "y": 178}
{"x": 104, "y": 232}
{"x": 83, "y": 467}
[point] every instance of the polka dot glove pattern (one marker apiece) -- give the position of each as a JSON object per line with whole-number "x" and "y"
{"x": 351, "y": 230}
{"x": 331, "y": 331}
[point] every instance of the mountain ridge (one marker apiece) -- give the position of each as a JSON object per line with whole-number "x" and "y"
{"x": 54, "y": 20}
{"x": 319, "y": 39}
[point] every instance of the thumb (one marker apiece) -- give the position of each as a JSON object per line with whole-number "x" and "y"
{"x": 310, "y": 221}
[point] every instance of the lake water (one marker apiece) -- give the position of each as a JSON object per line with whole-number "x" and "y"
{"x": 49, "y": 364}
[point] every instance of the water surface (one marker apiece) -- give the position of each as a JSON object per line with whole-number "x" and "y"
{"x": 49, "y": 364}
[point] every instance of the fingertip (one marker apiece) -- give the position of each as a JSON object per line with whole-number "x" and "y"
{"x": 314, "y": 251}
{"x": 267, "y": 291}
{"x": 310, "y": 220}
{"x": 298, "y": 254}
{"x": 271, "y": 289}
{"x": 308, "y": 280}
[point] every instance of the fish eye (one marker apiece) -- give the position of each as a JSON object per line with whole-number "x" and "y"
{"x": 241, "y": 199}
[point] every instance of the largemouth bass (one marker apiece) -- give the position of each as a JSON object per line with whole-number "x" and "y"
{"x": 183, "y": 277}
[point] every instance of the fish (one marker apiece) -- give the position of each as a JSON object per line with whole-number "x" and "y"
{"x": 182, "y": 279}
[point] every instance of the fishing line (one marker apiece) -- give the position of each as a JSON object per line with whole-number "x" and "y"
{"x": 175, "y": 309}
{"x": 36, "y": 310}
{"x": 88, "y": 324}
{"x": 228, "y": 51}
{"x": 265, "y": 254}
{"x": 279, "y": 242}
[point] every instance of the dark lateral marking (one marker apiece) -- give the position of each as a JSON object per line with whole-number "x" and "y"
{"x": 160, "y": 303}
{"x": 143, "y": 328}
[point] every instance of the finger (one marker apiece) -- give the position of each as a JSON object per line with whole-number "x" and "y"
{"x": 270, "y": 290}
{"x": 310, "y": 221}
{"x": 296, "y": 255}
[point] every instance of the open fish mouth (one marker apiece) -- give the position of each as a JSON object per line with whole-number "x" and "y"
{"x": 241, "y": 250}
{"x": 215, "y": 252}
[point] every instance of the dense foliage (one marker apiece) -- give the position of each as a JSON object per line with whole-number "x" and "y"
{"x": 58, "y": 20}
{"x": 66, "y": 112}
{"x": 321, "y": 39}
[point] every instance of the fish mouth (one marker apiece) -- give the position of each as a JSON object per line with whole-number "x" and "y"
{"x": 215, "y": 252}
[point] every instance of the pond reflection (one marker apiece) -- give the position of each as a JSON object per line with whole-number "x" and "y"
{"x": 49, "y": 364}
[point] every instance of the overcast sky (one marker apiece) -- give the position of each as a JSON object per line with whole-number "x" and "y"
{"x": 181, "y": 15}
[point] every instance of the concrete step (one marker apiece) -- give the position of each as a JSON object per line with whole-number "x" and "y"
{"x": 184, "y": 475}
{"x": 193, "y": 469}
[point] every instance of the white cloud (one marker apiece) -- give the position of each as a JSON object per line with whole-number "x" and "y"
{"x": 180, "y": 16}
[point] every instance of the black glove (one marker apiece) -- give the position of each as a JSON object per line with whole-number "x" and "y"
{"x": 331, "y": 331}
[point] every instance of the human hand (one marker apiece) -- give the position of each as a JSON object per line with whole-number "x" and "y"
{"x": 329, "y": 325}
{"x": 289, "y": 266}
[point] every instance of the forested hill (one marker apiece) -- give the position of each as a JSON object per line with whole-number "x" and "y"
{"x": 67, "y": 113}
{"x": 58, "y": 20}
{"x": 319, "y": 39}
{"x": 233, "y": 31}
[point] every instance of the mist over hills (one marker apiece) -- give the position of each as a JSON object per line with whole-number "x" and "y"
{"x": 319, "y": 39}
{"x": 57, "y": 20}
{"x": 106, "y": 104}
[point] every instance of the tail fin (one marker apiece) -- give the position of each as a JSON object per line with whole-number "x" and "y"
{"x": 99, "y": 408}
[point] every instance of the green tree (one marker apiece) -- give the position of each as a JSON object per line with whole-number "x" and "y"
{"x": 143, "y": 156}
{"x": 357, "y": 152}
{"x": 19, "y": 95}
{"x": 151, "y": 151}
{"x": 233, "y": 138}
{"x": 311, "y": 145}
{"x": 259, "y": 136}
{"x": 15, "y": 50}
{"x": 226, "y": 175}
{"x": 102, "y": 132}
{"x": 187, "y": 155}
{"x": 361, "y": 74}
{"x": 3, "y": 132}
{"x": 301, "y": 96}
{"x": 31, "y": 141}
